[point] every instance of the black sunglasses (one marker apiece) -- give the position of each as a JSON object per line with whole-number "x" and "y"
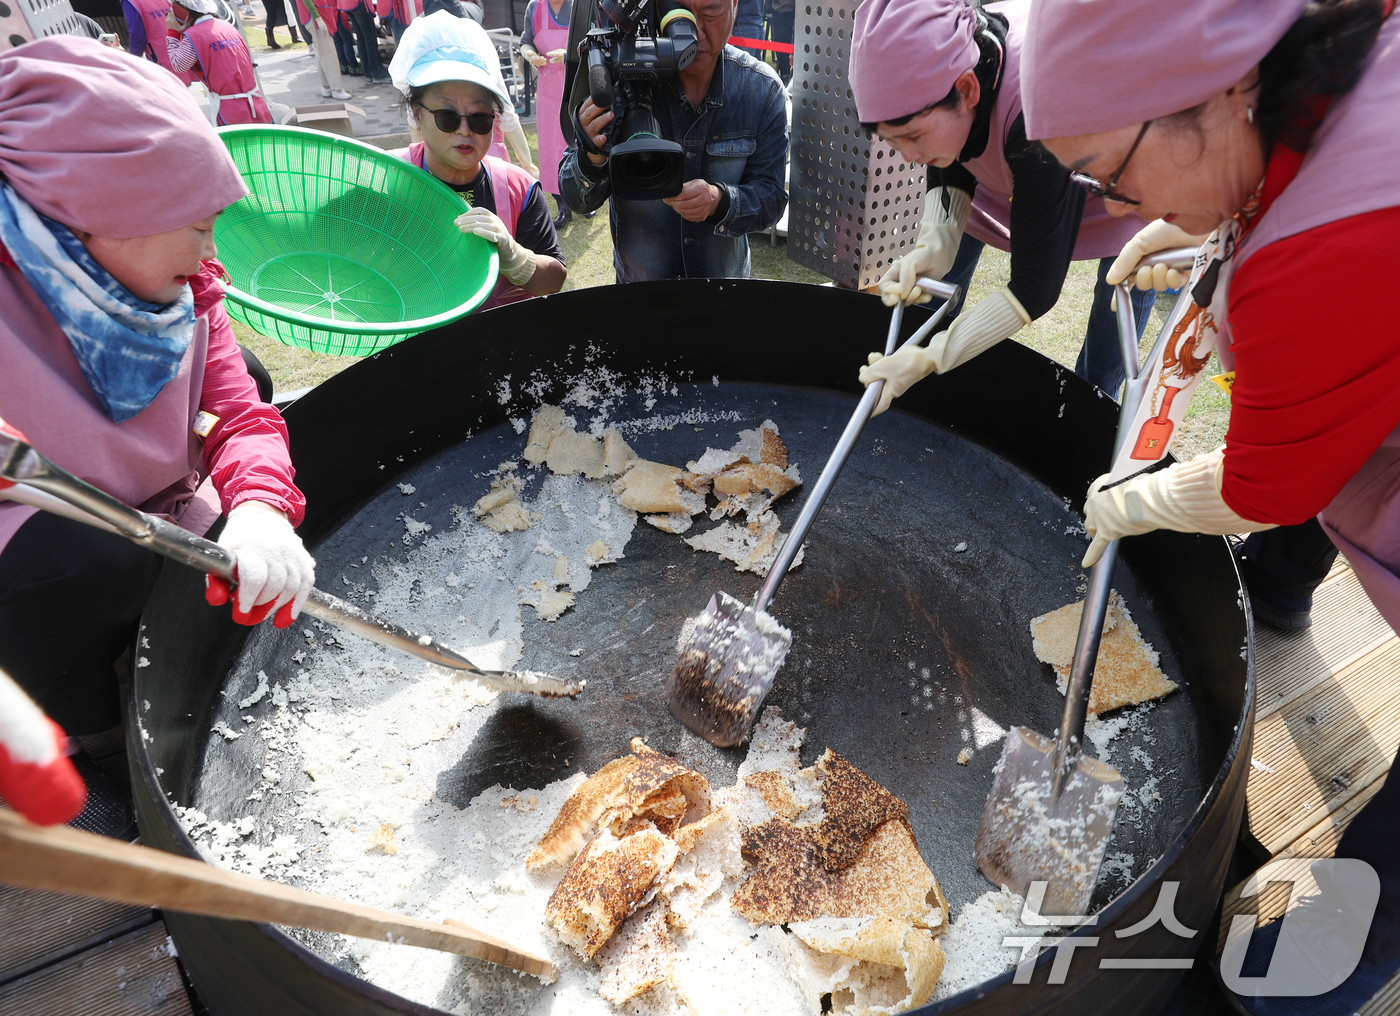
{"x": 1109, "y": 191}
{"x": 448, "y": 120}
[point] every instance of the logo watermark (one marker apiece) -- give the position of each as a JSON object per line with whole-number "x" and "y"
{"x": 1330, "y": 905}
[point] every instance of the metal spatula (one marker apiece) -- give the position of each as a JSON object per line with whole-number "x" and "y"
{"x": 726, "y": 667}
{"x": 23, "y": 465}
{"x": 1051, "y": 809}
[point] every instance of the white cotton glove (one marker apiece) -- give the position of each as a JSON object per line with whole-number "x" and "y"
{"x": 1184, "y": 497}
{"x": 994, "y": 318}
{"x": 1156, "y": 235}
{"x": 520, "y": 148}
{"x": 934, "y": 250}
{"x": 517, "y": 263}
{"x": 273, "y": 565}
{"x": 555, "y": 56}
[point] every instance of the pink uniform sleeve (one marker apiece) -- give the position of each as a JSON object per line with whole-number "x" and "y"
{"x": 246, "y": 453}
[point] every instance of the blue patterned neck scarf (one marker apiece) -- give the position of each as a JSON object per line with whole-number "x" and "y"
{"x": 128, "y": 349}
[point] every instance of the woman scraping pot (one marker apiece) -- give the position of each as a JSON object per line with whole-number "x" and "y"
{"x": 117, "y": 361}
{"x": 1270, "y": 126}
{"x": 443, "y": 67}
{"x": 941, "y": 81}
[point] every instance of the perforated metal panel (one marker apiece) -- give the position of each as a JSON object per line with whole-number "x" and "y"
{"x": 853, "y": 204}
{"x": 23, "y": 21}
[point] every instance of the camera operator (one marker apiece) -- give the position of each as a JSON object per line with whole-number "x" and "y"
{"x": 727, "y": 111}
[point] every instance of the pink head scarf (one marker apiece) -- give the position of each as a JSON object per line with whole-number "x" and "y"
{"x": 107, "y": 143}
{"x": 906, "y": 54}
{"x": 1096, "y": 65}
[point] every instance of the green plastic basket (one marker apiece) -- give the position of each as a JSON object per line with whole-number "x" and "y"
{"x": 341, "y": 247}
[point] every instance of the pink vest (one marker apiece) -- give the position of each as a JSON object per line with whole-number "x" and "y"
{"x": 153, "y": 14}
{"x": 510, "y": 186}
{"x": 1100, "y": 235}
{"x": 152, "y": 461}
{"x": 228, "y": 71}
{"x": 1350, "y": 170}
{"x": 549, "y": 95}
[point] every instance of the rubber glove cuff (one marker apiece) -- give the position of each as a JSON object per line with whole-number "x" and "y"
{"x": 520, "y": 149}
{"x": 940, "y": 234}
{"x": 270, "y": 561}
{"x": 517, "y": 262}
{"x": 36, "y": 777}
{"x": 1184, "y": 497}
{"x": 995, "y": 317}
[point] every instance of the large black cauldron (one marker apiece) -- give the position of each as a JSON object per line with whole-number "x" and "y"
{"x": 989, "y": 458}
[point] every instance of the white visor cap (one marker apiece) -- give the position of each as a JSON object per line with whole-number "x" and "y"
{"x": 442, "y": 47}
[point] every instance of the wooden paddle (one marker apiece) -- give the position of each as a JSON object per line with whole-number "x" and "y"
{"x": 59, "y": 859}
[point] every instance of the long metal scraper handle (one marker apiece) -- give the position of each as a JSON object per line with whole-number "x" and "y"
{"x": 1070, "y": 737}
{"x": 847, "y": 441}
{"x": 21, "y": 463}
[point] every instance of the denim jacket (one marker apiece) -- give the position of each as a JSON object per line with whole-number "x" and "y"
{"x": 737, "y": 139}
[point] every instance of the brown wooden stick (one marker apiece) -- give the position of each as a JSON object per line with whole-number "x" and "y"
{"x": 59, "y": 859}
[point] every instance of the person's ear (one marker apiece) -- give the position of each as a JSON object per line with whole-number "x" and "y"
{"x": 969, "y": 89}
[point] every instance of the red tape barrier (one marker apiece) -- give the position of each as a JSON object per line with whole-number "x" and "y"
{"x": 776, "y": 47}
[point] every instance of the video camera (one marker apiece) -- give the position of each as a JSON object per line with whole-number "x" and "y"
{"x": 627, "y": 48}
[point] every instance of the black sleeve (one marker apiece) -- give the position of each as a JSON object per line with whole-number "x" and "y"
{"x": 1046, "y": 208}
{"x": 721, "y": 207}
{"x": 956, "y": 175}
{"x": 535, "y": 227}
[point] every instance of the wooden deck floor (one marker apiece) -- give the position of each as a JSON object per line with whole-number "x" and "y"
{"x": 76, "y": 957}
{"x": 1326, "y": 730}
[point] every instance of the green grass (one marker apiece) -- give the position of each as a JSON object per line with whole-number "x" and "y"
{"x": 587, "y": 246}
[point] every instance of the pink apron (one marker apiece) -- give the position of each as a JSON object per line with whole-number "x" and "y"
{"x": 549, "y": 35}
{"x": 228, "y": 72}
{"x": 1349, "y": 170}
{"x": 153, "y": 14}
{"x": 1100, "y": 235}
{"x": 510, "y": 187}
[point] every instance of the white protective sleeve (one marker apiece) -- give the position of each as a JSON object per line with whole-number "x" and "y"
{"x": 519, "y": 145}
{"x": 935, "y": 248}
{"x": 996, "y": 317}
{"x": 1184, "y": 497}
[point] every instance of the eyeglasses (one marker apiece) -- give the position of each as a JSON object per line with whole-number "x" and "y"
{"x": 448, "y": 120}
{"x": 1109, "y": 191}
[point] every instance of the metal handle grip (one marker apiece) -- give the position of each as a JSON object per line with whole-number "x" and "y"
{"x": 1069, "y": 740}
{"x": 21, "y": 463}
{"x": 1177, "y": 257}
